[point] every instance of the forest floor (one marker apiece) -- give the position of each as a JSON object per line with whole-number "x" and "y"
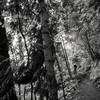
{"x": 87, "y": 91}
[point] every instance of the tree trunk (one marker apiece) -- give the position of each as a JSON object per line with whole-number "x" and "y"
{"x": 24, "y": 91}
{"x": 7, "y": 91}
{"x": 19, "y": 91}
{"x": 89, "y": 49}
{"x": 31, "y": 91}
{"x": 62, "y": 83}
{"x": 66, "y": 60}
{"x": 49, "y": 63}
{"x": 95, "y": 56}
{"x": 48, "y": 52}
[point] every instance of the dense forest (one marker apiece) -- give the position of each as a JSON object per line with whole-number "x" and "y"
{"x": 49, "y": 50}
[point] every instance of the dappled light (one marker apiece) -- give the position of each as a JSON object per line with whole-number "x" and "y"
{"x": 49, "y": 50}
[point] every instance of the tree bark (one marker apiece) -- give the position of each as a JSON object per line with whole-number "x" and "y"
{"x": 19, "y": 91}
{"x": 89, "y": 49}
{"x": 31, "y": 91}
{"x": 49, "y": 63}
{"x": 48, "y": 52}
{"x": 7, "y": 91}
{"x": 24, "y": 91}
{"x": 62, "y": 83}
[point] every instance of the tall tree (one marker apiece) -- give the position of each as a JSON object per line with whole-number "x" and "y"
{"x": 49, "y": 51}
{"x": 7, "y": 91}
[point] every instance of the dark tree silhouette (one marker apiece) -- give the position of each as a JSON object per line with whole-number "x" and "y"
{"x": 49, "y": 50}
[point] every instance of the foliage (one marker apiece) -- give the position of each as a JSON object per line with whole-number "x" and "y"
{"x": 73, "y": 25}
